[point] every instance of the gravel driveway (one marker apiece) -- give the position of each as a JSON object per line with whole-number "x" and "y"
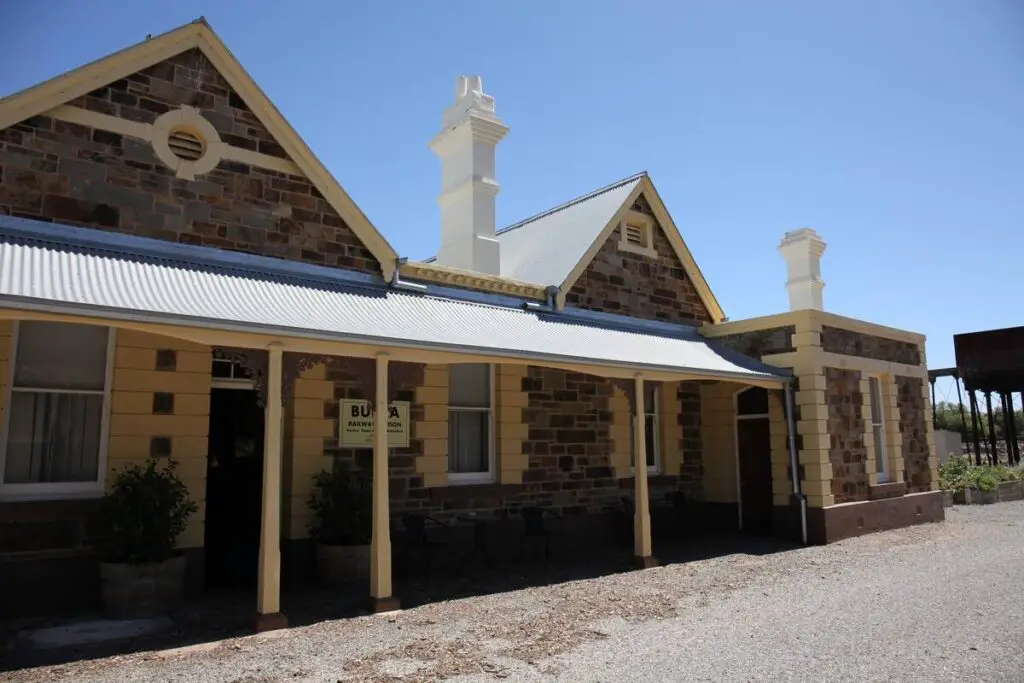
{"x": 940, "y": 602}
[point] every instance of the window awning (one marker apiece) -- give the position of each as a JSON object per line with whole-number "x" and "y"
{"x": 78, "y": 271}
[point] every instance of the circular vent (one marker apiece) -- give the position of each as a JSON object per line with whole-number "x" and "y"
{"x": 186, "y": 145}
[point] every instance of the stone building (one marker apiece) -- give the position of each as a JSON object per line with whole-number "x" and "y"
{"x": 180, "y": 274}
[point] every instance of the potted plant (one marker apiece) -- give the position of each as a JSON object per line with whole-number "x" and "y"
{"x": 341, "y": 502}
{"x": 139, "y": 521}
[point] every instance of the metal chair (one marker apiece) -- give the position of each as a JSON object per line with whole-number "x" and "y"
{"x": 535, "y": 527}
{"x": 425, "y": 535}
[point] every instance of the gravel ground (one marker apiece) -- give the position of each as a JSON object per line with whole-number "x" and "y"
{"x": 933, "y": 603}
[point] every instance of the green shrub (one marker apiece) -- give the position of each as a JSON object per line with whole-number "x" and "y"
{"x": 341, "y": 502}
{"x": 986, "y": 482}
{"x": 954, "y": 473}
{"x": 143, "y": 515}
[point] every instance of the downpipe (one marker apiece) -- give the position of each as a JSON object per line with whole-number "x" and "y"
{"x": 797, "y": 493}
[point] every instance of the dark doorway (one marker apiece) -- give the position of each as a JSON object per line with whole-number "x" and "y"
{"x": 234, "y": 483}
{"x": 753, "y": 446}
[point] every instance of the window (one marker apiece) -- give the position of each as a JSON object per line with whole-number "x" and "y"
{"x": 650, "y": 431}
{"x": 55, "y": 440}
{"x": 878, "y": 428}
{"x": 636, "y": 236}
{"x": 470, "y": 423}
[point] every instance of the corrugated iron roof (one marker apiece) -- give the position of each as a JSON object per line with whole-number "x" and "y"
{"x": 543, "y": 249}
{"x": 75, "y": 270}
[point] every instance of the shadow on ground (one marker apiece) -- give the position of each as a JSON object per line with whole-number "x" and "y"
{"x": 227, "y": 614}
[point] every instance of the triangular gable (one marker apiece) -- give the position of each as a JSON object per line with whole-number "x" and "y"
{"x": 544, "y": 248}
{"x": 646, "y": 188}
{"x": 198, "y": 34}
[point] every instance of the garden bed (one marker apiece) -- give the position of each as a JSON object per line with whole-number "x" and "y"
{"x": 966, "y": 484}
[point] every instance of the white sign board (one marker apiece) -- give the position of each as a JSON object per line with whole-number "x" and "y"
{"x": 355, "y": 424}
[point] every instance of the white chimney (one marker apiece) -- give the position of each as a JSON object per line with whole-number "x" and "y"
{"x": 802, "y": 250}
{"x": 465, "y": 146}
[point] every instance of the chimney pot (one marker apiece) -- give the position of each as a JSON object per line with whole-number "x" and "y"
{"x": 802, "y": 249}
{"x": 470, "y": 132}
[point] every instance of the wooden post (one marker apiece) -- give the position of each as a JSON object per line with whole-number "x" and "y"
{"x": 268, "y": 596}
{"x": 381, "y": 599}
{"x": 642, "y": 519}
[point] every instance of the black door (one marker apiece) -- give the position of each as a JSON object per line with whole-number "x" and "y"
{"x": 234, "y": 482}
{"x": 753, "y": 445}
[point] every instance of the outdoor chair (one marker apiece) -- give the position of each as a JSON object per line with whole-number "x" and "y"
{"x": 535, "y": 527}
{"x": 680, "y": 519}
{"x": 426, "y": 537}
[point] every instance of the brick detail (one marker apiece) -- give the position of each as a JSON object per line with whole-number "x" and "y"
{"x": 72, "y": 174}
{"x": 134, "y": 426}
{"x": 569, "y": 443}
{"x": 631, "y": 284}
{"x": 914, "y": 427}
{"x": 511, "y": 430}
{"x": 846, "y": 342}
{"x": 848, "y": 453}
{"x": 431, "y": 431}
{"x": 759, "y": 343}
{"x": 691, "y": 470}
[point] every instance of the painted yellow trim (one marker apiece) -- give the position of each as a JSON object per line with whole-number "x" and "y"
{"x": 468, "y": 279}
{"x": 145, "y": 132}
{"x": 198, "y": 34}
{"x": 671, "y": 232}
{"x": 802, "y": 320}
{"x": 864, "y": 327}
{"x": 810, "y": 320}
{"x": 94, "y": 119}
{"x": 215, "y": 337}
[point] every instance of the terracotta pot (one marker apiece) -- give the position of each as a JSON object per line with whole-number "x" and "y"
{"x": 142, "y": 590}
{"x": 339, "y": 564}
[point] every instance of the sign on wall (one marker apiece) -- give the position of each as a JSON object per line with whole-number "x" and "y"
{"x": 355, "y": 424}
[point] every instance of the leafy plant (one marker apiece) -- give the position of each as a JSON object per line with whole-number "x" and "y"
{"x": 954, "y": 473}
{"x": 986, "y": 481}
{"x": 142, "y": 516}
{"x": 341, "y": 502}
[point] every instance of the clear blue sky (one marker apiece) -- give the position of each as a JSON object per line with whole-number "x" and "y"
{"x": 893, "y": 127}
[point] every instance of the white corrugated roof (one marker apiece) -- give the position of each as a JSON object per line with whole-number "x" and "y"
{"x": 83, "y": 271}
{"x": 545, "y": 248}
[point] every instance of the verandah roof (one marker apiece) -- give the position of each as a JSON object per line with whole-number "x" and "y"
{"x": 78, "y": 271}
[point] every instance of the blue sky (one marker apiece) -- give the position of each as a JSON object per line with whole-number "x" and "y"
{"x": 893, "y": 128}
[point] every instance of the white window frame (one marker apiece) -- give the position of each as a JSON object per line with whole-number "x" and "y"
{"x": 643, "y": 223}
{"x": 61, "y": 490}
{"x": 881, "y": 459}
{"x": 491, "y": 475}
{"x": 232, "y": 382}
{"x": 656, "y": 467}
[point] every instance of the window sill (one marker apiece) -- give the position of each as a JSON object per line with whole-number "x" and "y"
{"x": 28, "y": 493}
{"x": 882, "y": 490}
{"x": 649, "y": 252}
{"x": 465, "y": 479}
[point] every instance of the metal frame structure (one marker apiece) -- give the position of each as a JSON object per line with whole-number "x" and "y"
{"x": 987, "y": 363}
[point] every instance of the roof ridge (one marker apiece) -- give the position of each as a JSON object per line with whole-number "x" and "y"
{"x": 573, "y": 202}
